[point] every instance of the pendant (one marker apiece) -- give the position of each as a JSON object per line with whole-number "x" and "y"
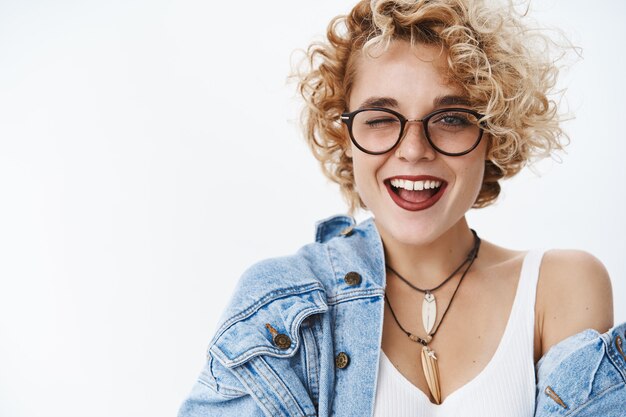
{"x": 431, "y": 372}
{"x": 429, "y": 312}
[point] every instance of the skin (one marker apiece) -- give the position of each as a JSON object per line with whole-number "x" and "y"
{"x": 573, "y": 293}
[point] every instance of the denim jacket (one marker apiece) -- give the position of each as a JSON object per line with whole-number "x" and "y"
{"x": 584, "y": 375}
{"x": 302, "y": 335}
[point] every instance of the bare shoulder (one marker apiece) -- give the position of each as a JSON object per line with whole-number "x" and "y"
{"x": 573, "y": 294}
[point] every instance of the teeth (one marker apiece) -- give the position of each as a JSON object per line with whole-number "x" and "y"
{"x": 415, "y": 185}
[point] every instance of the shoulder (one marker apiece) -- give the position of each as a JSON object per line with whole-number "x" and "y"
{"x": 317, "y": 270}
{"x": 274, "y": 279}
{"x": 279, "y": 293}
{"x": 573, "y": 294}
{"x": 309, "y": 265}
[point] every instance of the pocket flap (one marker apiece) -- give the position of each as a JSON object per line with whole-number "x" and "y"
{"x": 247, "y": 335}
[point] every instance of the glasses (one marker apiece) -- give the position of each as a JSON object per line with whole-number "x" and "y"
{"x": 452, "y": 132}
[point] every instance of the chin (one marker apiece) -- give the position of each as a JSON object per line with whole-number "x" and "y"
{"x": 415, "y": 233}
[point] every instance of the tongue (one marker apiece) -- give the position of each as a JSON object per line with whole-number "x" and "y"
{"x": 415, "y": 196}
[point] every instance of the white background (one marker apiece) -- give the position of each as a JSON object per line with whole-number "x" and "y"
{"x": 150, "y": 152}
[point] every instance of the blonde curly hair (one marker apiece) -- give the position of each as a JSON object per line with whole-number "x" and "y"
{"x": 501, "y": 65}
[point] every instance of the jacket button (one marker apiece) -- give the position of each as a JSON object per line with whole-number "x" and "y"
{"x": 352, "y": 278}
{"x": 342, "y": 360}
{"x": 282, "y": 341}
{"x": 347, "y": 231}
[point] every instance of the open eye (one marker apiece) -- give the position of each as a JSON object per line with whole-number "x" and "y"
{"x": 453, "y": 121}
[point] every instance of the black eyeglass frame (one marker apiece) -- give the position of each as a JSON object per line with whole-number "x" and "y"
{"x": 348, "y": 119}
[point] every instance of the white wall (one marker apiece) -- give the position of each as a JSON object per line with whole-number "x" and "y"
{"x": 149, "y": 152}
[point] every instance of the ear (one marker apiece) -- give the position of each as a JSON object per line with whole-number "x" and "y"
{"x": 348, "y": 142}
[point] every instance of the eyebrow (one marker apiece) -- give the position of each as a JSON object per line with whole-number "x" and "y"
{"x": 451, "y": 101}
{"x": 379, "y": 102}
{"x": 440, "y": 101}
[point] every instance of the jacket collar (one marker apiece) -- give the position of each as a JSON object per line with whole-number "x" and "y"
{"x": 353, "y": 249}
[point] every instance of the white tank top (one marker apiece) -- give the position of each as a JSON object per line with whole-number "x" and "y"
{"x": 505, "y": 387}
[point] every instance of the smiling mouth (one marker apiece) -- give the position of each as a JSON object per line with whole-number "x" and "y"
{"x": 415, "y": 195}
{"x": 415, "y": 191}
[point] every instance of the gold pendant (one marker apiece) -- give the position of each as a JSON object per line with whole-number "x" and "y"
{"x": 431, "y": 372}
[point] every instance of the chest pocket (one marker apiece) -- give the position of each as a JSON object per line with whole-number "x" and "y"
{"x": 271, "y": 349}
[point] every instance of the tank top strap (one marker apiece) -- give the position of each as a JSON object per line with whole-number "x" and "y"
{"x": 523, "y": 309}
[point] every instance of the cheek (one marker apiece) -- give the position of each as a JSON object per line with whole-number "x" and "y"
{"x": 364, "y": 168}
{"x": 474, "y": 175}
{"x": 477, "y": 168}
{"x": 359, "y": 172}
{"x": 469, "y": 177}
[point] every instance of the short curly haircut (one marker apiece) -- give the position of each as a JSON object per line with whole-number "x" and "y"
{"x": 501, "y": 65}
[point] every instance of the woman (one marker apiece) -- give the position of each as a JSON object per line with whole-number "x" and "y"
{"x": 416, "y": 109}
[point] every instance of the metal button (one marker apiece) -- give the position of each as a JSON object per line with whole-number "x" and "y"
{"x": 352, "y": 278}
{"x": 347, "y": 231}
{"x": 342, "y": 360}
{"x": 282, "y": 341}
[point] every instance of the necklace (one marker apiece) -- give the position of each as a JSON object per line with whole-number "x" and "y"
{"x": 429, "y": 360}
{"x": 429, "y": 304}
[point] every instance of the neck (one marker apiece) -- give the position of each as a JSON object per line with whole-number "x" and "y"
{"x": 427, "y": 264}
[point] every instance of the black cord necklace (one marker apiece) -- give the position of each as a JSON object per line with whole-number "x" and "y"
{"x": 429, "y": 304}
{"x": 429, "y": 360}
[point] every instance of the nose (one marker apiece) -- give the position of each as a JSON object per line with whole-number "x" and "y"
{"x": 413, "y": 145}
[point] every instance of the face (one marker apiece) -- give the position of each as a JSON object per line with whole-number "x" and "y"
{"x": 410, "y": 80}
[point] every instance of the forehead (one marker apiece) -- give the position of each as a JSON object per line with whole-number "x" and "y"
{"x": 407, "y": 73}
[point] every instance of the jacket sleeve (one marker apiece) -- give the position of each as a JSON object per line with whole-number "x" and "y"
{"x": 217, "y": 393}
